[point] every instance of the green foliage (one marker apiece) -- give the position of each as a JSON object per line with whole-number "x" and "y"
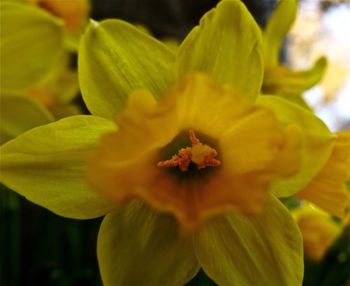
{"x": 334, "y": 269}
{"x": 40, "y": 248}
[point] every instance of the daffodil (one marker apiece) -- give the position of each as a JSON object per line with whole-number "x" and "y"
{"x": 36, "y": 84}
{"x": 199, "y": 152}
{"x": 328, "y": 188}
{"x": 279, "y": 79}
{"x": 31, "y": 43}
{"x": 57, "y": 89}
{"x": 318, "y": 228}
{"x": 195, "y": 148}
{"x": 73, "y": 12}
{"x": 25, "y": 57}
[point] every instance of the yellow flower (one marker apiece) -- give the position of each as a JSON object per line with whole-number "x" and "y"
{"x": 57, "y": 89}
{"x": 35, "y": 66}
{"x": 25, "y": 58}
{"x": 30, "y": 55}
{"x": 328, "y": 188}
{"x": 319, "y": 230}
{"x": 279, "y": 79}
{"x": 201, "y": 179}
{"x": 194, "y": 143}
{"x": 73, "y": 12}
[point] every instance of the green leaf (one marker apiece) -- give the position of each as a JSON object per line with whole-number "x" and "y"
{"x": 138, "y": 246}
{"x": 19, "y": 114}
{"x": 116, "y": 58}
{"x": 31, "y": 42}
{"x": 47, "y": 165}
{"x": 263, "y": 250}
{"x": 227, "y": 46}
{"x": 316, "y": 148}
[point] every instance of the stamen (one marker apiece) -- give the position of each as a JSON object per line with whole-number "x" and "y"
{"x": 200, "y": 154}
{"x": 193, "y": 137}
{"x": 182, "y": 160}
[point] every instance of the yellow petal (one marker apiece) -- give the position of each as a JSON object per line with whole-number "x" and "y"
{"x": 264, "y": 250}
{"x": 318, "y": 236}
{"x": 137, "y": 246}
{"x": 47, "y": 166}
{"x": 59, "y": 85}
{"x": 318, "y": 229}
{"x": 116, "y": 58}
{"x": 227, "y": 46}
{"x": 31, "y": 42}
{"x": 207, "y": 106}
{"x": 19, "y": 114}
{"x": 276, "y": 29}
{"x": 246, "y": 150}
{"x": 316, "y": 146}
{"x": 327, "y": 189}
{"x": 283, "y": 81}
{"x": 296, "y": 99}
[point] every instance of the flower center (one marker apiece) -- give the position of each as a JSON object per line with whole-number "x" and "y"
{"x": 198, "y": 154}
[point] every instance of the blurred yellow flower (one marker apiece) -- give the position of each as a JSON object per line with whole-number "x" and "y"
{"x": 279, "y": 79}
{"x": 328, "y": 188}
{"x": 25, "y": 58}
{"x": 36, "y": 66}
{"x": 57, "y": 89}
{"x": 73, "y": 12}
{"x": 319, "y": 230}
